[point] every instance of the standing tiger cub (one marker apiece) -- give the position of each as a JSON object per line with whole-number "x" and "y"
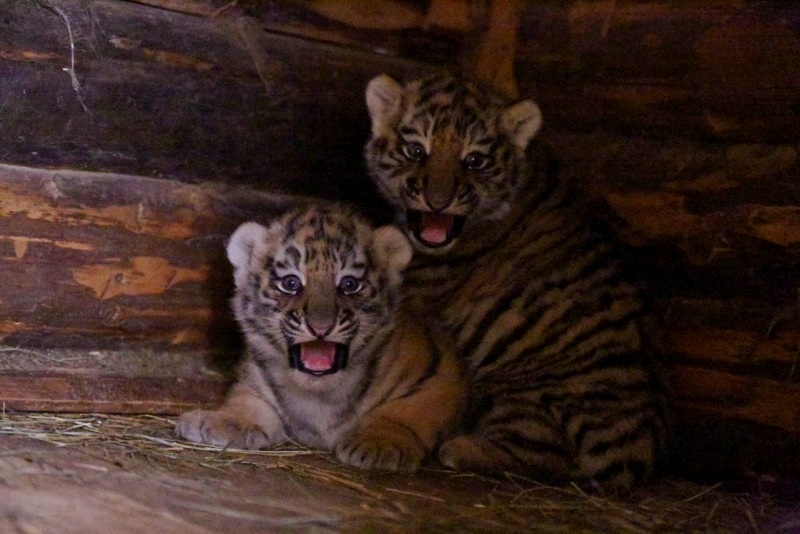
{"x": 535, "y": 300}
{"x": 332, "y": 359}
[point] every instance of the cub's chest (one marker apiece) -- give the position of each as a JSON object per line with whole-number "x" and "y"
{"x": 318, "y": 420}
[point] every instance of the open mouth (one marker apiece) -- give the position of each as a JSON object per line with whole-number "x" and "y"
{"x": 435, "y": 229}
{"x": 318, "y": 358}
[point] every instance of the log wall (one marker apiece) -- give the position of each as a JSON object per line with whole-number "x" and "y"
{"x": 678, "y": 119}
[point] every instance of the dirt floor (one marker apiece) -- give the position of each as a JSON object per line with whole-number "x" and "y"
{"x": 100, "y": 473}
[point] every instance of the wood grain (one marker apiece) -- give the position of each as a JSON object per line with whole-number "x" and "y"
{"x": 704, "y": 69}
{"x": 196, "y": 98}
{"x": 89, "y": 392}
{"x": 109, "y": 260}
{"x": 771, "y": 402}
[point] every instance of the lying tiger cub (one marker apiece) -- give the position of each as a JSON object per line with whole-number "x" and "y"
{"x": 333, "y": 361}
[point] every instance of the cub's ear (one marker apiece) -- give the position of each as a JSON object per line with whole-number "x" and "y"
{"x": 391, "y": 248}
{"x": 243, "y": 243}
{"x": 520, "y": 122}
{"x": 383, "y": 101}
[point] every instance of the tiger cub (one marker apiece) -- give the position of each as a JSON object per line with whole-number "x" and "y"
{"x": 333, "y": 361}
{"x": 537, "y": 302}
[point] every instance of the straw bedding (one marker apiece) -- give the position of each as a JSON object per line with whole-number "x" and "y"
{"x": 434, "y": 499}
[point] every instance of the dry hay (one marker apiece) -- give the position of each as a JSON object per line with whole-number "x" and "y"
{"x": 452, "y": 501}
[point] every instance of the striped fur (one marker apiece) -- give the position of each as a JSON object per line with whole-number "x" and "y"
{"x": 314, "y": 280}
{"x": 536, "y": 301}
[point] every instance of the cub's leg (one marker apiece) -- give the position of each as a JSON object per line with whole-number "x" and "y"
{"x": 426, "y": 394}
{"x": 515, "y": 435}
{"x": 384, "y": 444}
{"x": 245, "y": 421}
{"x": 609, "y": 439}
{"x": 617, "y": 442}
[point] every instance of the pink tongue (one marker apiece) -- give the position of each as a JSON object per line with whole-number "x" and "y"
{"x": 318, "y": 355}
{"x": 435, "y": 227}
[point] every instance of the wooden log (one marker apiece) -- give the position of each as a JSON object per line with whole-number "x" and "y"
{"x": 733, "y": 376}
{"x": 700, "y": 69}
{"x": 703, "y": 70}
{"x": 737, "y": 359}
{"x": 771, "y": 402}
{"x": 138, "y": 90}
{"x": 708, "y": 201}
{"x": 109, "y": 260}
{"x": 129, "y": 268}
{"x": 206, "y": 8}
{"x": 747, "y": 372}
{"x": 491, "y": 58}
{"x": 740, "y": 352}
{"x": 90, "y": 392}
{"x": 433, "y": 32}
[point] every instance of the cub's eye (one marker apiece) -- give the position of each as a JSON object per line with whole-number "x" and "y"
{"x": 290, "y": 284}
{"x": 476, "y": 161}
{"x": 350, "y": 285}
{"x": 414, "y": 151}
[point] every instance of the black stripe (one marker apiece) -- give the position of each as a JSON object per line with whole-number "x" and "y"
{"x": 614, "y": 324}
{"x": 642, "y": 431}
{"x": 430, "y": 371}
{"x": 525, "y": 375}
{"x": 501, "y": 414}
{"x": 484, "y": 326}
{"x": 526, "y": 445}
{"x": 585, "y": 306}
{"x": 611, "y": 471}
{"x": 272, "y": 386}
{"x": 434, "y": 362}
{"x": 532, "y": 314}
{"x": 513, "y": 292}
{"x": 369, "y": 377}
{"x": 405, "y": 131}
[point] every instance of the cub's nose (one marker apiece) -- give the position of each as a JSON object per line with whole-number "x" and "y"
{"x": 439, "y": 192}
{"x": 320, "y": 326}
{"x": 320, "y": 307}
{"x": 438, "y": 200}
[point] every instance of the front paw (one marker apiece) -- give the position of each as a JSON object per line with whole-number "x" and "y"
{"x": 462, "y": 453}
{"x": 381, "y": 452}
{"x": 216, "y": 427}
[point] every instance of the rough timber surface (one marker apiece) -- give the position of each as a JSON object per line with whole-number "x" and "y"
{"x": 93, "y": 473}
{"x": 160, "y": 381}
{"x": 102, "y": 261}
{"x": 109, "y": 85}
{"x": 712, "y": 69}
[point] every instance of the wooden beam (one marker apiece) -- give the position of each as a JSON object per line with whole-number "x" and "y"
{"x": 204, "y": 8}
{"x": 774, "y": 403}
{"x": 104, "y": 260}
{"x": 89, "y": 392}
{"x": 491, "y": 59}
{"x": 703, "y": 69}
{"x": 383, "y": 15}
{"x": 235, "y": 96}
{"x": 706, "y": 200}
{"x": 753, "y": 353}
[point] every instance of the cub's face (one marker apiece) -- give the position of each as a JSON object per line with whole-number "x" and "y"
{"x": 313, "y": 287}
{"x": 446, "y": 153}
